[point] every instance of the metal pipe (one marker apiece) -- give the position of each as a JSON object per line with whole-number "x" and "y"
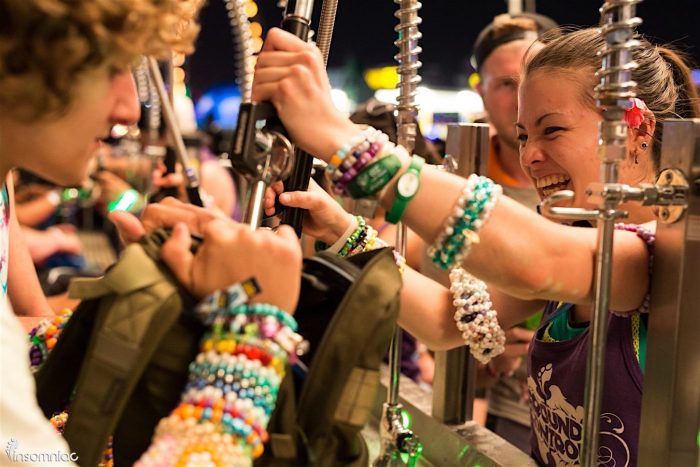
{"x": 406, "y": 134}
{"x": 395, "y": 437}
{"x": 325, "y": 27}
{"x": 175, "y": 134}
{"x": 454, "y": 386}
{"x": 617, "y": 27}
{"x": 254, "y": 211}
{"x": 297, "y": 20}
{"x": 242, "y": 39}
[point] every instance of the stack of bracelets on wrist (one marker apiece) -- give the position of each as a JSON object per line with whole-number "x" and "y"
{"x": 474, "y": 316}
{"x": 44, "y": 336}
{"x": 364, "y": 166}
{"x": 461, "y": 230}
{"x": 42, "y": 340}
{"x": 232, "y": 387}
{"x": 363, "y": 238}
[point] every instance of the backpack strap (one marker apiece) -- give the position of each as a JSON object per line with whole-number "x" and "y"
{"x": 350, "y": 353}
{"x": 139, "y": 303}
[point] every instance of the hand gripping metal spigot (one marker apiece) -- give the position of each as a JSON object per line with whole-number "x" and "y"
{"x": 263, "y": 155}
{"x": 395, "y": 437}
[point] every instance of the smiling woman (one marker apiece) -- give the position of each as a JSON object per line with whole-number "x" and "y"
{"x": 528, "y": 262}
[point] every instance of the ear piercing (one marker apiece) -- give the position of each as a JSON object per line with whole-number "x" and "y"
{"x": 644, "y": 145}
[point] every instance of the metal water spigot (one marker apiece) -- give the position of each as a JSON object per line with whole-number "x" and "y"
{"x": 396, "y": 439}
{"x": 265, "y": 156}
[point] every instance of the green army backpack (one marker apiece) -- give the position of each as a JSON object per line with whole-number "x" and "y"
{"x": 319, "y": 415}
{"x": 122, "y": 359}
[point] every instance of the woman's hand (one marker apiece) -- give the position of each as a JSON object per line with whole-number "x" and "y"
{"x": 290, "y": 73}
{"x": 232, "y": 253}
{"x": 326, "y": 219}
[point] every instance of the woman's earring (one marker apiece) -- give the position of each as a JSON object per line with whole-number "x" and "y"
{"x": 644, "y": 145}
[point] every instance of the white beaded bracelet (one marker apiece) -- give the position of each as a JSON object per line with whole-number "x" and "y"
{"x": 475, "y": 317}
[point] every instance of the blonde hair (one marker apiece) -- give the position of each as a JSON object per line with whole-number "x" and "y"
{"x": 47, "y": 46}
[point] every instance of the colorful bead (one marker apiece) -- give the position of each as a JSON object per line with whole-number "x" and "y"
{"x": 231, "y": 390}
{"x": 44, "y": 337}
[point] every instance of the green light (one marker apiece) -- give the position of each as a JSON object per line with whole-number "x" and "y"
{"x": 124, "y": 202}
{"x": 406, "y": 419}
{"x": 463, "y": 452}
{"x": 698, "y": 438}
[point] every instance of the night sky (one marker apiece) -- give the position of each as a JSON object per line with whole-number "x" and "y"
{"x": 364, "y": 35}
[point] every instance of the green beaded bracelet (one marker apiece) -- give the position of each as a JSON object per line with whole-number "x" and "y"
{"x": 264, "y": 309}
{"x": 354, "y": 237}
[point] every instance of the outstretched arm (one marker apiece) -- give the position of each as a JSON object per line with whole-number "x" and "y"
{"x": 427, "y": 311}
{"x": 520, "y": 252}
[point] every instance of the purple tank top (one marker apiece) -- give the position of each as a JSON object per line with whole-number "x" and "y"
{"x": 557, "y": 372}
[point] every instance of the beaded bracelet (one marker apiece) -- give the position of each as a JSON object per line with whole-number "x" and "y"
{"x": 472, "y": 209}
{"x": 364, "y": 156}
{"x": 346, "y": 149}
{"x": 474, "y": 316}
{"x": 231, "y": 391}
{"x": 42, "y": 340}
{"x": 354, "y": 237}
{"x": 44, "y": 337}
{"x": 371, "y": 241}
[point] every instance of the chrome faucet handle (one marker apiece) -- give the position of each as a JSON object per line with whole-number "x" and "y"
{"x": 548, "y": 207}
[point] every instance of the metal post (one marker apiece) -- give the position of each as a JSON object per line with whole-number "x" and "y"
{"x": 395, "y": 437}
{"x": 325, "y": 27}
{"x": 515, "y": 7}
{"x": 175, "y": 134}
{"x": 467, "y": 147}
{"x": 671, "y": 400}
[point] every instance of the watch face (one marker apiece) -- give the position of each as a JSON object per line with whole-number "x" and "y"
{"x": 408, "y": 184}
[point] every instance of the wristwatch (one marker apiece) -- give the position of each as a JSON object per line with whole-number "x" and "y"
{"x": 406, "y": 189}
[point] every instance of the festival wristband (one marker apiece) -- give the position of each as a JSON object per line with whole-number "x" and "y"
{"x": 406, "y": 188}
{"x": 127, "y": 201}
{"x": 374, "y": 177}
